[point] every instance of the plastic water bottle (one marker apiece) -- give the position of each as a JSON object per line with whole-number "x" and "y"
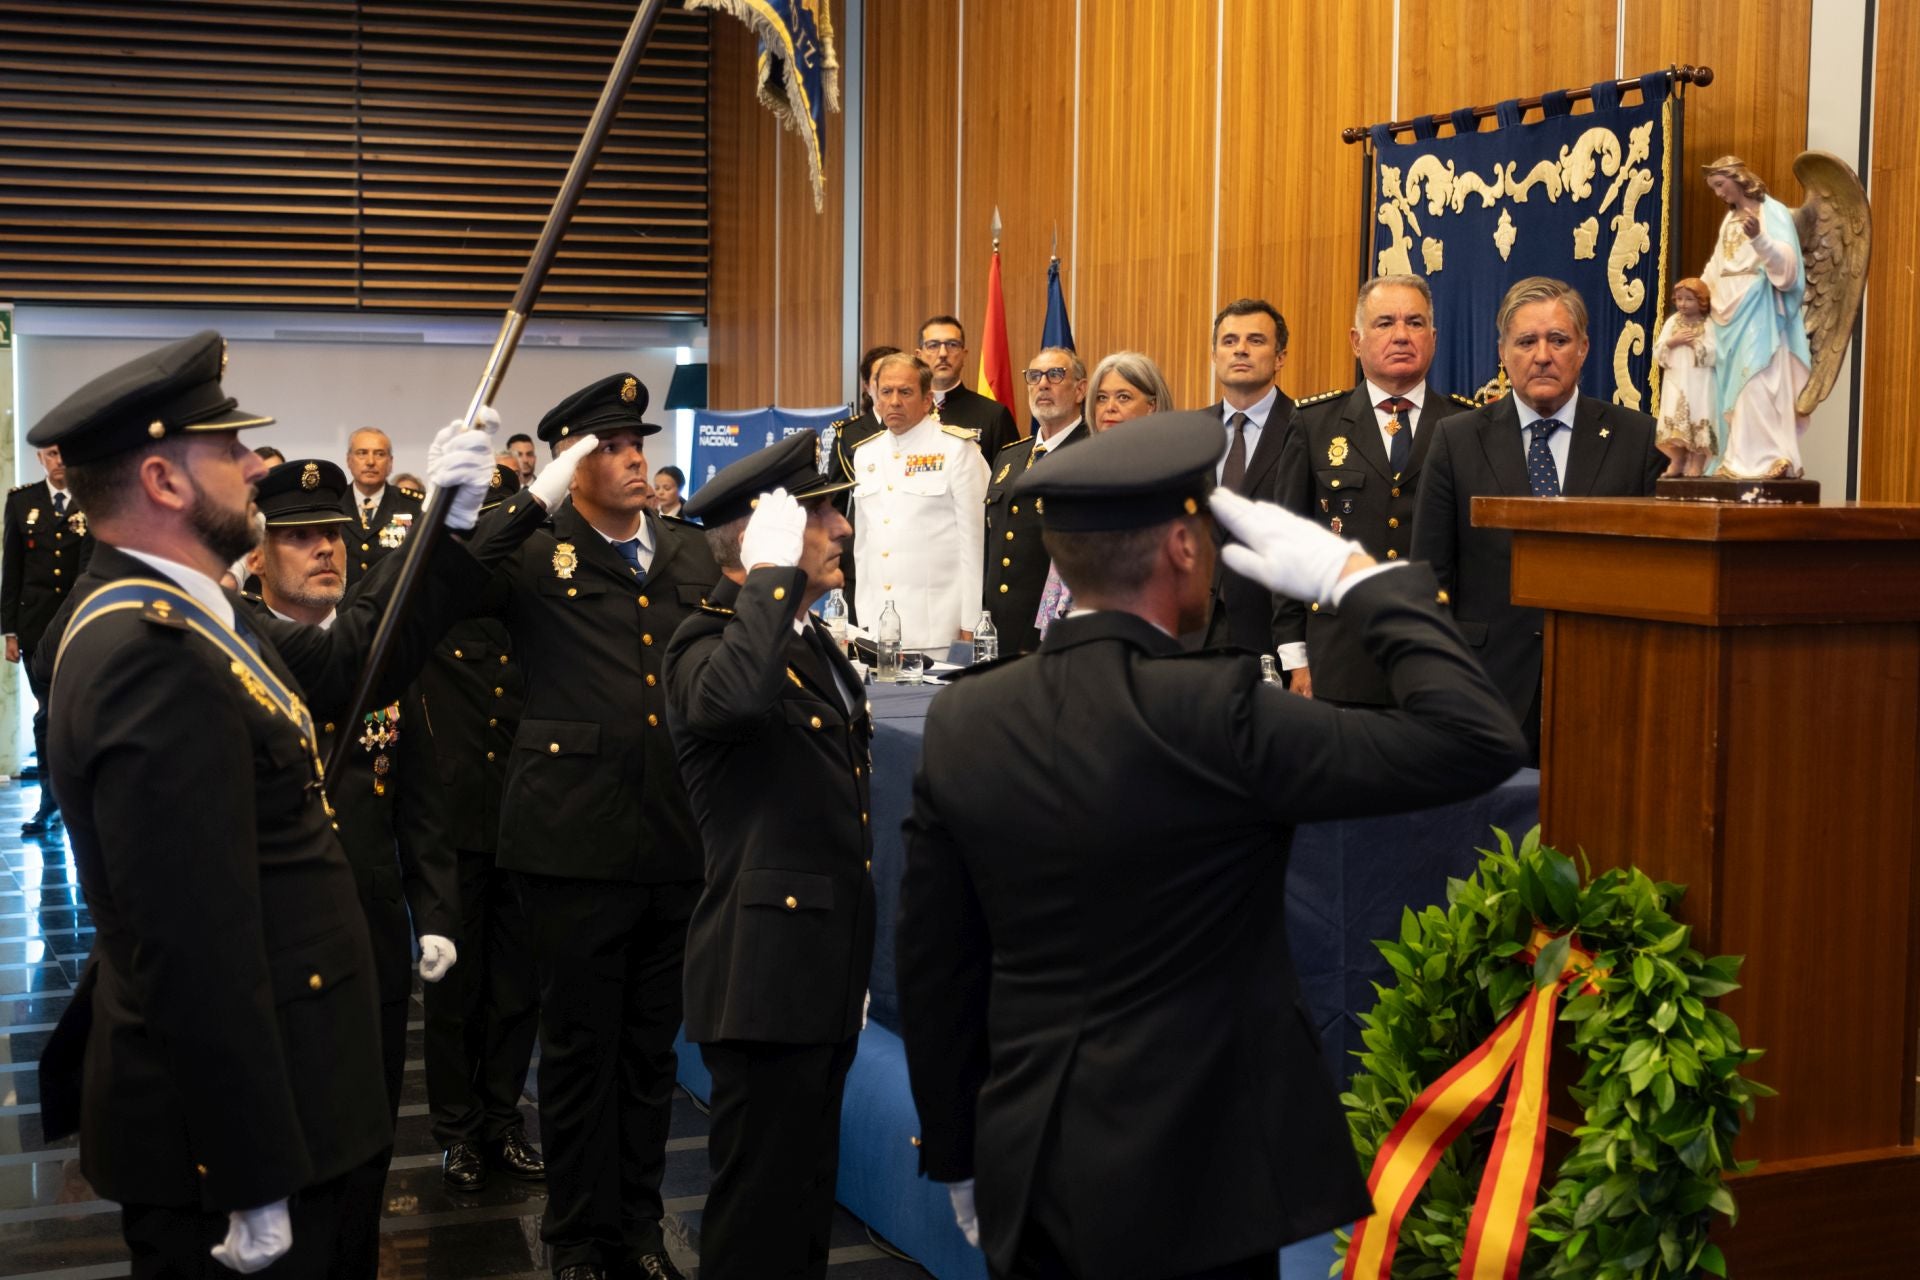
{"x": 888, "y": 634}
{"x": 986, "y": 641}
{"x": 1269, "y": 674}
{"x": 833, "y": 614}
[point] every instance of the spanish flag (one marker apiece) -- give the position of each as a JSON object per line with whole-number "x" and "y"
{"x": 996, "y": 366}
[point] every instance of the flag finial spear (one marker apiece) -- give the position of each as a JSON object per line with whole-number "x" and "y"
{"x": 1055, "y": 251}
{"x": 996, "y": 228}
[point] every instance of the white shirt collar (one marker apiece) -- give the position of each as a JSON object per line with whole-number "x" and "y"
{"x": 644, "y": 533}
{"x": 373, "y": 499}
{"x": 1418, "y": 395}
{"x": 1053, "y": 442}
{"x": 1257, "y": 415}
{"x": 204, "y": 590}
{"x": 1563, "y": 415}
{"x": 59, "y": 493}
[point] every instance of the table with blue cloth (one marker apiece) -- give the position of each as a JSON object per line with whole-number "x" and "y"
{"x": 1346, "y": 886}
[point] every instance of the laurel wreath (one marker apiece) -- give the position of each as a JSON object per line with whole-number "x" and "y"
{"x": 1662, "y": 1091}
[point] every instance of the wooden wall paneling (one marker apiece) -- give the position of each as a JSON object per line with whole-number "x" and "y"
{"x": 811, "y": 254}
{"x": 741, "y": 319}
{"x": 1289, "y": 187}
{"x": 1889, "y": 441}
{"x": 1756, "y": 107}
{"x": 907, "y": 225}
{"x": 1467, "y": 53}
{"x": 1144, "y": 258}
{"x": 1017, "y": 153}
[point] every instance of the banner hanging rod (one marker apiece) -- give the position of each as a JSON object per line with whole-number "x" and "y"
{"x": 1679, "y": 75}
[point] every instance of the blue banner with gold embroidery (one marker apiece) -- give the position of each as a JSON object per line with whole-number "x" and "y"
{"x": 799, "y": 74}
{"x": 1585, "y": 198}
{"x": 723, "y": 436}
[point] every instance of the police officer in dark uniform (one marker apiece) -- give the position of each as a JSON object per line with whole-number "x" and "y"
{"x": 771, "y": 725}
{"x": 221, "y": 1057}
{"x": 482, "y": 1018}
{"x": 45, "y": 549}
{"x": 1098, "y": 1003}
{"x": 383, "y": 514}
{"x": 595, "y": 821}
{"x": 1352, "y": 462}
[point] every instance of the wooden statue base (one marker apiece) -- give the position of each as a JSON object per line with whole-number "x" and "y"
{"x": 1727, "y": 489}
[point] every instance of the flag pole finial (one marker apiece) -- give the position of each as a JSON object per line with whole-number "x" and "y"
{"x": 1055, "y": 251}
{"x": 996, "y": 228}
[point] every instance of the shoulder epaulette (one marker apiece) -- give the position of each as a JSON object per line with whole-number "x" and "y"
{"x": 963, "y": 433}
{"x": 717, "y": 610}
{"x": 415, "y": 494}
{"x": 870, "y": 439}
{"x": 838, "y": 423}
{"x": 17, "y": 488}
{"x": 161, "y": 611}
{"x": 1465, "y": 402}
{"x": 1322, "y": 397}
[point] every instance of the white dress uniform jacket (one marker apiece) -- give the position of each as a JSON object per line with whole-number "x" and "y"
{"x": 918, "y": 538}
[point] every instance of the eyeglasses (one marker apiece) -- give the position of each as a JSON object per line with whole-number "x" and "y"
{"x": 943, "y": 344}
{"x": 1033, "y": 376}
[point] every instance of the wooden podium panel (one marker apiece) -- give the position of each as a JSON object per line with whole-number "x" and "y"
{"x": 1731, "y": 701}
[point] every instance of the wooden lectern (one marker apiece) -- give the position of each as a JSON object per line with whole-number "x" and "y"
{"x": 1732, "y": 702}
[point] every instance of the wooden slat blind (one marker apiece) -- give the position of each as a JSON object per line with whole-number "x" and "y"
{"x": 377, "y": 154}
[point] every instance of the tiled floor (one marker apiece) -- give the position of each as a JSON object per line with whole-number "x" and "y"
{"x": 52, "y": 1225}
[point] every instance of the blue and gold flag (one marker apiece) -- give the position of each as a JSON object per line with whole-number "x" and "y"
{"x": 799, "y": 73}
{"x": 1587, "y": 198}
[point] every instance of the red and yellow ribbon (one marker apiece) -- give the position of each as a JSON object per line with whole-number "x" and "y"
{"x": 1520, "y": 1048}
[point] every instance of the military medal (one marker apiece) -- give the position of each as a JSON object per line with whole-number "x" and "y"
{"x": 381, "y": 768}
{"x": 1337, "y": 452}
{"x": 564, "y": 562}
{"x": 1334, "y": 524}
{"x": 33, "y": 515}
{"x": 77, "y": 522}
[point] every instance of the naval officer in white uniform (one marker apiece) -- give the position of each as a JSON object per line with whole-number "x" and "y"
{"x": 920, "y": 489}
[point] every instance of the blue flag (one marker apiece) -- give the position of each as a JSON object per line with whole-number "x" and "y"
{"x": 1058, "y": 330}
{"x": 799, "y": 73}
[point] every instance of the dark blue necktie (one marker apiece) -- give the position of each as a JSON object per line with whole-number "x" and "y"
{"x": 1400, "y": 431}
{"x": 1541, "y": 473}
{"x": 60, "y": 504}
{"x": 630, "y": 552}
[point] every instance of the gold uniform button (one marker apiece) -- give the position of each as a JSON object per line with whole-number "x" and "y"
{"x": 863, "y": 817}
{"x": 365, "y": 547}
{"x": 492, "y": 723}
{"x": 779, "y": 593}
{"x": 915, "y": 1140}
{"x": 869, "y": 864}
{"x": 1393, "y": 522}
{"x": 643, "y": 602}
{"x": 498, "y": 692}
{"x": 1393, "y": 555}
{"x": 201, "y": 1170}
{"x": 650, "y": 680}
{"x": 814, "y": 723}
{"x": 329, "y": 726}
{"x": 503, "y": 659}
{"x": 1009, "y": 535}
{"x": 1443, "y": 598}
{"x": 56, "y": 573}
{"x": 56, "y": 552}
{"x": 646, "y": 637}
{"x": 336, "y": 826}
{"x": 653, "y": 721}
{"x": 489, "y": 755}
{"x": 363, "y": 566}
{"x": 553, "y": 748}
{"x": 793, "y": 903}
{"x": 1003, "y": 588}
{"x": 856, "y": 771}
{"x": 1396, "y": 491}
{"x": 1016, "y": 508}
{"x": 1315, "y": 606}
{"x": 313, "y": 982}
{"x": 1336, "y": 484}
{"x": 458, "y": 654}
{"x": 1006, "y": 562}
{"x": 512, "y": 509}
{"x": 572, "y": 592}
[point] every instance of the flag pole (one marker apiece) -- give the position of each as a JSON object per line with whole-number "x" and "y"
{"x": 434, "y": 517}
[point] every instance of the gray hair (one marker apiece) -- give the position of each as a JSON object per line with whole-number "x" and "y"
{"x": 723, "y": 540}
{"x": 1416, "y": 283}
{"x": 1140, "y": 372}
{"x": 1074, "y": 361}
{"x": 1543, "y": 289}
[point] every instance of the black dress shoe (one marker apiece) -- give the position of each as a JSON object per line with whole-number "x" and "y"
{"x": 40, "y": 823}
{"x": 654, "y": 1266}
{"x": 463, "y": 1168}
{"x": 517, "y": 1158}
{"x": 580, "y": 1271}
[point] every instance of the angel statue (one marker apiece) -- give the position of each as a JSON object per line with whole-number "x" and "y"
{"x": 1786, "y": 286}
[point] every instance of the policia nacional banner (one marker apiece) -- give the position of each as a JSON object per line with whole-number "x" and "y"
{"x": 1590, "y": 199}
{"x": 722, "y": 436}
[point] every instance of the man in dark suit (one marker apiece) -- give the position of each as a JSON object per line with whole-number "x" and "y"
{"x": 384, "y": 514}
{"x": 943, "y": 349}
{"x": 1108, "y": 1038}
{"x": 1016, "y": 563}
{"x": 45, "y": 549}
{"x": 482, "y": 1018}
{"x": 771, "y": 726}
{"x": 595, "y": 820}
{"x": 221, "y": 1058}
{"x": 1249, "y": 350}
{"x": 1547, "y": 440}
{"x": 1352, "y": 463}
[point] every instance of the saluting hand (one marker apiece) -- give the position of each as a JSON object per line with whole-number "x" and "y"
{"x": 461, "y": 462}
{"x": 549, "y": 488}
{"x": 1281, "y": 551}
{"x": 776, "y": 532}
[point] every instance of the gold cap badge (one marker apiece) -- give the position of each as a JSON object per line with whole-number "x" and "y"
{"x": 630, "y": 390}
{"x": 495, "y": 482}
{"x": 310, "y": 476}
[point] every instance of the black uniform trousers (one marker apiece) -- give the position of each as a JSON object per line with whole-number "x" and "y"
{"x": 775, "y": 1153}
{"x": 170, "y": 1243}
{"x": 482, "y": 1017}
{"x": 39, "y": 686}
{"x": 607, "y": 955}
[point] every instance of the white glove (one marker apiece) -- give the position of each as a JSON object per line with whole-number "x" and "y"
{"x": 462, "y": 463}
{"x": 437, "y": 955}
{"x": 961, "y": 1193}
{"x": 549, "y": 488}
{"x": 775, "y": 532}
{"x": 1279, "y": 550}
{"x": 255, "y": 1238}
{"x": 487, "y": 421}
